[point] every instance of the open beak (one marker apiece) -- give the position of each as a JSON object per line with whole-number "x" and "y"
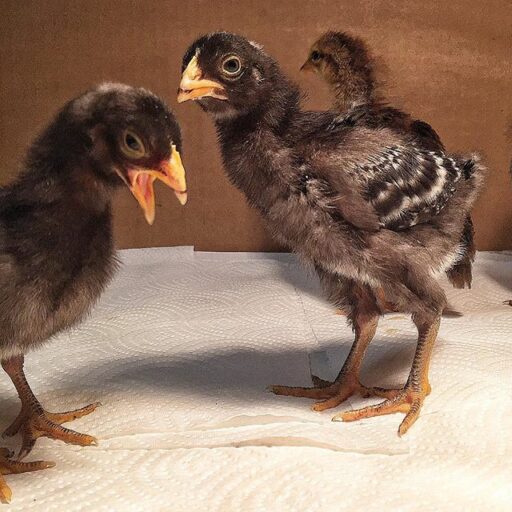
{"x": 171, "y": 172}
{"x": 194, "y": 87}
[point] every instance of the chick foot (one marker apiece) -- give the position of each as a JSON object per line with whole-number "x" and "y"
{"x": 406, "y": 400}
{"x": 410, "y": 398}
{"x": 34, "y": 422}
{"x": 8, "y": 466}
{"x": 329, "y": 394}
{"x": 346, "y": 384}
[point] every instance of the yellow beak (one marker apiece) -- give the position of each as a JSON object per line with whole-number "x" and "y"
{"x": 308, "y": 66}
{"x": 170, "y": 172}
{"x": 193, "y": 86}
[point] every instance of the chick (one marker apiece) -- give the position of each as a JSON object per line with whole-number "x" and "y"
{"x": 57, "y": 252}
{"x": 347, "y": 65}
{"x": 369, "y": 208}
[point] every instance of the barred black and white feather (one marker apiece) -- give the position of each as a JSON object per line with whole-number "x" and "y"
{"x": 407, "y": 185}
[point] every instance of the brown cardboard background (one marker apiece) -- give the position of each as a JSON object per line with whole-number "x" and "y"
{"x": 450, "y": 63}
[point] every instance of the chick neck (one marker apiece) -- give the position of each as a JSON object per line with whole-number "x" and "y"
{"x": 278, "y": 100}
{"x": 255, "y": 145}
{"x": 60, "y": 168}
{"x": 351, "y": 88}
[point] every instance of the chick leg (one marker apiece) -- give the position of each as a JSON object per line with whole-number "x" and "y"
{"x": 409, "y": 399}
{"x": 347, "y": 382}
{"x": 34, "y": 422}
{"x": 8, "y": 466}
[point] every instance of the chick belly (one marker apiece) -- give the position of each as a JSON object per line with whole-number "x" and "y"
{"x": 24, "y": 323}
{"x": 34, "y": 315}
{"x": 318, "y": 239}
{"x": 374, "y": 259}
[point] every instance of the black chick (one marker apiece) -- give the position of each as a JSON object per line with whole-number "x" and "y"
{"x": 369, "y": 208}
{"x": 56, "y": 246}
{"x": 347, "y": 65}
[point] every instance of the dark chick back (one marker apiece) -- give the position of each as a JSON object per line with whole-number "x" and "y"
{"x": 379, "y": 115}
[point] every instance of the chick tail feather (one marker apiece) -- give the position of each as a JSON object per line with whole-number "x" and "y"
{"x": 460, "y": 274}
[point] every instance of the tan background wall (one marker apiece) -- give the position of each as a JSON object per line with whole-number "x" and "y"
{"x": 450, "y": 64}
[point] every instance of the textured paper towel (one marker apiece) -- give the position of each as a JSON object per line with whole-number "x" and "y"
{"x": 180, "y": 351}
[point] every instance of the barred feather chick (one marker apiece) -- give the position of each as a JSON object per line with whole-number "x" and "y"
{"x": 368, "y": 206}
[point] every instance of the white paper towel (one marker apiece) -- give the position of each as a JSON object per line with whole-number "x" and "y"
{"x": 180, "y": 351}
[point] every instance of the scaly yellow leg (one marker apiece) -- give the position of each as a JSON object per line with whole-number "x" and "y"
{"x": 331, "y": 394}
{"x": 410, "y": 398}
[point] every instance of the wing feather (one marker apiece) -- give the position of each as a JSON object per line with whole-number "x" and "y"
{"x": 395, "y": 187}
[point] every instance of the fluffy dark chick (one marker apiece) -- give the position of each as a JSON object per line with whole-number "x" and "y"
{"x": 368, "y": 207}
{"x": 56, "y": 247}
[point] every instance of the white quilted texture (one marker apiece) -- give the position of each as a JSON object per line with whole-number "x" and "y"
{"x": 180, "y": 351}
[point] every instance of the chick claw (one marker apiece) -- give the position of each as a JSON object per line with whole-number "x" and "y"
{"x": 329, "y": 394}
{"x": 406, "y": 400}
{"x": 36, "y": 423}
{"x": 8, "y": 467}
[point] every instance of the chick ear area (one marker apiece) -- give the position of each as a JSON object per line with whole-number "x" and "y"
{"x": 98, "y": 145}
{"x": 256, "y": 73}
{"x": 95, "y": 136}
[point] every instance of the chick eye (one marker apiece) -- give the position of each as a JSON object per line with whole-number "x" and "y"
{"x": 132, "y": 145}
{"x": 231, "y": 65}
{"x": 315, "y": 56}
